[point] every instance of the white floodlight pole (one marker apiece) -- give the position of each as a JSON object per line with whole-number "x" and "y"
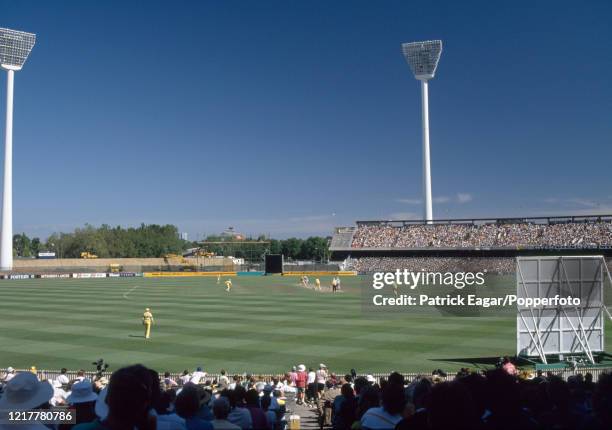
{"x": 15, "y": 46}
{"x": 423, "y": 57}
{"x": 426, "y": 158}
{"x": 6, "y": 239}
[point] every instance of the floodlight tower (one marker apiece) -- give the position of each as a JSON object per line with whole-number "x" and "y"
{"x": 15, "y": 46}
{"x": 423, "y": 59}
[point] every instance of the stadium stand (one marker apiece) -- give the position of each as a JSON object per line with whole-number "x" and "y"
{"x": 474, "y": 244}
{"x": 499, "y": 265}
{"x": 343, "y": 237}
{"x": 499, "y": 398}
{"x": 588, "y": 233}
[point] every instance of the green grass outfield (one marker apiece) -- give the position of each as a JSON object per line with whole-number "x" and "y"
{"x": 265, "y": 325}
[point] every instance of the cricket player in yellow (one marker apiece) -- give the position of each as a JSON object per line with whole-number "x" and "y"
{"x": 147, "y": 321}
{"x": 228, "y": 285}
{"x": 317, "y": 284}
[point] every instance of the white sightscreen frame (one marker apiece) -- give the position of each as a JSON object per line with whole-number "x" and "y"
{"x": 563, "y": 329}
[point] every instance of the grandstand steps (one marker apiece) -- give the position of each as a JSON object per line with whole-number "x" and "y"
{"x": 342, "y": 238}
{"x": 308, "y": 416}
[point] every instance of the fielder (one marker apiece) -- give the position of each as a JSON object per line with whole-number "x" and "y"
{"x": 147, "y": 321}
{"x": 228, "y": 285}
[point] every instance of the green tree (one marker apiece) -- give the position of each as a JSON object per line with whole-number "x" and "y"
{"x": 153, "y": 240}
{"x": 291, "y": 247}
{"x": 21, "y": 245}
{"x": 314, "y": 248}
{"x": 275, "y": 246}
{"x": 105, "y": 241}
{"x": 35, "y": 246}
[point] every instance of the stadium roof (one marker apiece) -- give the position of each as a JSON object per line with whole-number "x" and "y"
{"x": 513, "y": 220}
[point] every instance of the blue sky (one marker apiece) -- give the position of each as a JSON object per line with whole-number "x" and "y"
{"x": 288, "y": 118}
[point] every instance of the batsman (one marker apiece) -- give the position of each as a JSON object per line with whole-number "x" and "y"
{"x": 147, "y": 321}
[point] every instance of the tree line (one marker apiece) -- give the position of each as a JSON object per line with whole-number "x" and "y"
{"x": 313, "y": 248}
{"x": 154, "y": 240}
{"x": 106, "y": 242}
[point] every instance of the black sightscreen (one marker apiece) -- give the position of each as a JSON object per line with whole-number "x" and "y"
{"x": 274, "y": 263}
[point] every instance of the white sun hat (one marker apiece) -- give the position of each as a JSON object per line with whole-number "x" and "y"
{"x": 82, "y": 392}
{"x": 25, "y": 392}
{"x": 301, "y": 367}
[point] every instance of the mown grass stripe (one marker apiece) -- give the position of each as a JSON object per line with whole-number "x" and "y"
{"x": 266, "y": 324}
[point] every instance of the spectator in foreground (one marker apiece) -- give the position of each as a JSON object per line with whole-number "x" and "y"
{"x": 205, "y": 395}
{"x": 509, "y": 367}
{"x": 221, "y": 409}
{"x": 25, "y": 392}
{"x": 169, "y": 382}
{"x": 326, "y": 402}
{"x": 185, "y": 377}
{"x": 504, "y": 403}
{"x": 368, "y": 398}
{"x": 59, "y": 394}
{"x": 197, "y": 376}
{"x": 187, "y": 407}
{"x": 300, "y": 383}
{"x": 345, "y": 407}
{"x": 273, "y": 416}
{"x": 128, "y": 400}
{"x": 235, "y": 382}
{"x": 311, "y": 386}
{"x": 159, "y": 407}
{"x": 602, "y": 404}
{"x": 320, "y": 378}
{"x": 223, "y": 382}
{"x": 167, "y": 418}
{"x": 80, "y": 376}
{"x": 238, "y": 415}
{"x": 63, "y": 377}
{"x": 293, "y": 376}
{"x": 390, "y": 413}
{"x": 258, "y": 417}
{"x": 83, "y": 399}
{"x": 451, "y": 407}
{"x": 10, "y": 374}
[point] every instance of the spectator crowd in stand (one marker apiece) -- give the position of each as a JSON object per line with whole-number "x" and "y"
{"x": 495, "y": 235}
{"x": 497, "y": 265}
{"x": 136, "y": 397}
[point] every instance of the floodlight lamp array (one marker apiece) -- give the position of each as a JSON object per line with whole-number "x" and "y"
{"x": 423, "y": 57}
{"x": 15, "y": 46}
